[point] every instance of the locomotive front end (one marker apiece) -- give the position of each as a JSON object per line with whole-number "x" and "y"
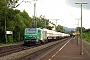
{"x": 30, "y": 36}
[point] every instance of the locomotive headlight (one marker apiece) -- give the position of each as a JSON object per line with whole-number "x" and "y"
{"x": 34, "y": 36}
{"x": 25, "y": 37}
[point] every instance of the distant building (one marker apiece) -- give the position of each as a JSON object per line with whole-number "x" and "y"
{"x": 52, "y": 25}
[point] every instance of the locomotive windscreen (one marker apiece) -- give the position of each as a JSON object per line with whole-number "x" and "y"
{"x": 30, "y": 30}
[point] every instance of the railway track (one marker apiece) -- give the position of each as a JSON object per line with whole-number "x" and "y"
{"x": 33, "y": 50}
{"x": 6, "y": 50}
{"x": 13, "y": 49}
{"x": 36, "y": 55}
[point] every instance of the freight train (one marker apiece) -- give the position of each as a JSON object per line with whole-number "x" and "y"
{"x": 39, "y": 36}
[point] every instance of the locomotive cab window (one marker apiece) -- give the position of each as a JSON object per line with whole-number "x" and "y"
{"x": 30, "y": 30}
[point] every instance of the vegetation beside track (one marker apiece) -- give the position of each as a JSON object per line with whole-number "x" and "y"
{"x": 1, "y": 44}
{"x": 86, "y": 36}
{"x": 85, "y": 33}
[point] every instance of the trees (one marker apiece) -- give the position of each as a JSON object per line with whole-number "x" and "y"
{"x": 3, "y": 16}
{"x": 60, "y": 28}
{"x": 41, "y": 21}
{"x": 16, "y": 21}
{"x": 85, "y": 33}
{"x": 12, "y": 3}
{"x": 79, "y": 28}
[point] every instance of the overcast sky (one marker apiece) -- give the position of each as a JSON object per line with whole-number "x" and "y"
{"x": 65, "y": 10}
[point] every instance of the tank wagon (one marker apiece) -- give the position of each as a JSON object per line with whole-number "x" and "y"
{"x": 38, "y": 35}
{"x": 52, "y": 35}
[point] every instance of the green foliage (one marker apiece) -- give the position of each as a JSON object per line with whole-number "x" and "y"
{"x": 26, "y": 19}
{"x": 41, "y": 21}
{"x": 3, "y": 14}
{"x": 79, "y": 28}
{"x": 86, "y": 35}
{"x": 60, "y": 28}
{"x": 16, "y": 22}
{"x": 14, "y": 0}
{"x": 49, "y": 27}
{"x": 87, "y": 30}
{"x": 10, "y": 40}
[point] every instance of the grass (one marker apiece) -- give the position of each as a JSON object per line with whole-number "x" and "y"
{"x": 86, "y": 37}
{"x": 2, "y": 44}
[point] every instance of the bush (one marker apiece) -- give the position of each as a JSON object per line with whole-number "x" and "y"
{"x": 9, "y": 39}
{"x": 86, "y": 36}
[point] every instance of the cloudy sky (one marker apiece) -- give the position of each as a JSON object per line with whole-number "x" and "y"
{"x": 65, "y": 10}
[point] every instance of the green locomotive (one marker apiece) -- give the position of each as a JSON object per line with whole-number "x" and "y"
{"x": 34, "y": 36}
